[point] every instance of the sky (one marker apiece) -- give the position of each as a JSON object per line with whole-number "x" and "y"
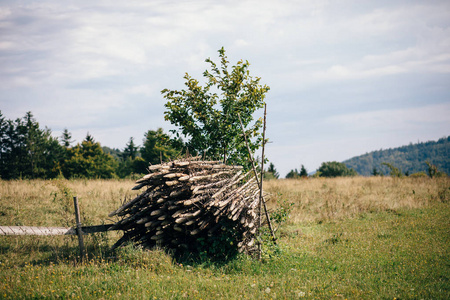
{"x": 346, "y": 77}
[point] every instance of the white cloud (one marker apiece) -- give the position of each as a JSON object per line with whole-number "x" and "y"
{"x": 6, "y": 45}
{"x": 411, "y": 60}
{"x": 379, "y": 42}
{"x": 395, "y": 120}
{"x": 144, "y": 89}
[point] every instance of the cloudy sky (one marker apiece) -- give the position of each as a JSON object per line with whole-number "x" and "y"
{"x": 346, "y": 77}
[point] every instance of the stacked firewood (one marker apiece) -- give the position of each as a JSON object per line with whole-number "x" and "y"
{"x": 188, "y": 202}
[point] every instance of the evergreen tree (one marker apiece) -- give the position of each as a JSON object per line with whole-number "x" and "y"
{"x": 34, "y": 140}
{"x": 27, "y": 151}
{"x": 66, "y": 138}
{"x": 303, "y": 172}
{"x": 87, "y": 160}
{"x": 293, "y": 174}
{"x": 375, "y": 172}
{"x": 271, "y": 172}
{"x": 114, "y": 152}
{"x": 158, "y": 147}
{"x": 296, "y": 174}
{"x": 130, "y": 162}
{"x": 4, "y": 145}
{"x": 89, "y": 138}
{"x": 130, "y": 150}
{"x": 15, "y": 157}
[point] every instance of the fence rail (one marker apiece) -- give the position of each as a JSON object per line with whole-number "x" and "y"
{"x": 41, "y": 230}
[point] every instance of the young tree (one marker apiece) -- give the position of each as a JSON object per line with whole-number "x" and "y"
{"x": 395, "y": 172}
{"x": 208, "y": 116}
{"x": 432, "y": 169}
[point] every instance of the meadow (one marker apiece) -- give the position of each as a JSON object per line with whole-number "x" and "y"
{"x": 342, "y": 238}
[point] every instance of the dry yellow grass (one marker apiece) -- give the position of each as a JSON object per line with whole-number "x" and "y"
{"x": 326, "y": 199}
{"x": 50, "y": 202}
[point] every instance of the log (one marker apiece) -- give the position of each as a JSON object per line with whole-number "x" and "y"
{"x": 156, "y": 212}
{"x": 208, "y": 177}
{"x": 184, "y": 178}
{"x": 174, "y": 175}
{"x": 178, "y": 228}
{"x": 171, "y": 183}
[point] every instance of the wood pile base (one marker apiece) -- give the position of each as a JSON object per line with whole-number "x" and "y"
{"x": 192, "y": 206}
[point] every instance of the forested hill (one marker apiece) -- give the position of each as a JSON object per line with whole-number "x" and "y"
{"x": 410, "y": 159}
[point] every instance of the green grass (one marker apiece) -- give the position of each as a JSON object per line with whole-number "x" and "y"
{"x": 398, "y": 253}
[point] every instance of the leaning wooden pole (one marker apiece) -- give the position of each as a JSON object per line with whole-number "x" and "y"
{"x": 262, "y": 167}
{"x": 262, "y": 174}
{"x": 258, "y": 181}
{"x": 261, "y": 181}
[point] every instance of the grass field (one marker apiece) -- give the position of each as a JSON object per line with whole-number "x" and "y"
{"x": 346, "y": 238}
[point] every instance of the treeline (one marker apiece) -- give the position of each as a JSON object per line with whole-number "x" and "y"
{"x": 326, "y": 169}
{"x": 408, "y": 159}
{"x": 28, "y": 151}
{"x": 338, "y": 169}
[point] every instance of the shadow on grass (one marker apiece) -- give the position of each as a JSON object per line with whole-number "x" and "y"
{"x": 205, "y": 251}
{"x": 57, "y": 250}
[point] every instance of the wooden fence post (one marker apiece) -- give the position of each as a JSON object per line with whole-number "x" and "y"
{"x": 79, "y": 231}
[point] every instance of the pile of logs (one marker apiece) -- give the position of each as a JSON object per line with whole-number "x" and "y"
{"x": 188, "y": 201}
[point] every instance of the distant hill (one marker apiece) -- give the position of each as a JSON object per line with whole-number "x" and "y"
{"x": 410, "y": 159}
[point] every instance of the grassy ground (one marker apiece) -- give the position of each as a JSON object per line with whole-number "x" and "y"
{"x": 346, "y": 238}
